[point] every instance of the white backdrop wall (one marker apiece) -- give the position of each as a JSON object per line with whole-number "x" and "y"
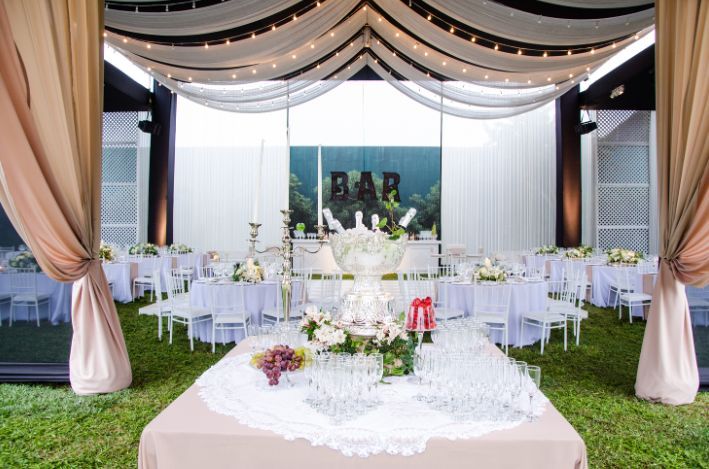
{"x": 498, "y": 181}
{"x": 216, "y": 174}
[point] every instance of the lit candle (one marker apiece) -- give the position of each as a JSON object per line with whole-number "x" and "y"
{"x": 319, "y": 184}
{"x": 257, "y": 194}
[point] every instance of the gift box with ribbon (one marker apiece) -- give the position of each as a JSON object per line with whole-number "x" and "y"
{"x": 421, "y": 315}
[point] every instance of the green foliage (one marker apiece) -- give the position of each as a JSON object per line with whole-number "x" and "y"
{"x": 591, "y": 385}
{"x": 303, "y": 210}
{"x": 428, "y": 209}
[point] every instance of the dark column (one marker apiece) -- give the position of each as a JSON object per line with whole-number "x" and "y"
{"x": 162, "y": 167}
{"x": 568, "y": 170}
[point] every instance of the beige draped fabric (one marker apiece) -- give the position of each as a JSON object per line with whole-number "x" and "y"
{"x": 667, "y": 371}
{"x": 51, "y": 81}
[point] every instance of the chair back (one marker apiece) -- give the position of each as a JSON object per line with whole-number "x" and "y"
{"x": 330, "y": 287}
{"x": 206, "y": 272}
{"x": 226, "y": 300}
{"x": 23, "y": 282}
{"x": 157, "y": 288}
{"x": 174, "y": 286}
{"x": 492, "y": 300}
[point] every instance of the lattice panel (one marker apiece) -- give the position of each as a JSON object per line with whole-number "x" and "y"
{"x": 623, "y": 164}
{"x": 628, "y": 238}
{"x": 120, "y": 164}
{"x": 622, "y": 180}
{"x": 119, "y": 197}
{"x": 119, "y": 235}
{"x": 120, "y": 127}
{"x": 119, "y": 204}
{"x": 623, "y": 126}
{"x": 623, "y": 205}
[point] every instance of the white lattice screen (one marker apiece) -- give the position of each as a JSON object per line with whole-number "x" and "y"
{"x": 119, "y": 196}
{"x": 623, "y": 180}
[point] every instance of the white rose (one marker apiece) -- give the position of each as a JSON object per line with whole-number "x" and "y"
{"x": 488, "y": 262}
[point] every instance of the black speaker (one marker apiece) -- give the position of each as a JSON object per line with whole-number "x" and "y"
{"x": 585, "y": 127}
{"x": 150, "y": 127}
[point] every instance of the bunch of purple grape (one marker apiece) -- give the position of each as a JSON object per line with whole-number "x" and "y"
{"x": 278, "y": 359}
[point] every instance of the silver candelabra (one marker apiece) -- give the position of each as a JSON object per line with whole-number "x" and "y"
{"x": 285, "y": 251}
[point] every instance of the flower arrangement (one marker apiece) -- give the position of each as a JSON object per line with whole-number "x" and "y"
{"x": 106, "y": 253}
{"x": 146, "y": 249}
{"x": 250, "y": 271}
{"x": 551, "y": 249}
{"x": 625, "y": 256}
{"x": 391, "y": 340}
{"x": 581, "y": 252}
{"x": 24, "y": 260}
{"x": 489, "y": 272}
{"x": 177, "y": 248}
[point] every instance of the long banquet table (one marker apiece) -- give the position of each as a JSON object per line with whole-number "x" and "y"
{"x": 257, "y": 297}
{"x": 187, "y": 434}
{"x": 524, "y": 298}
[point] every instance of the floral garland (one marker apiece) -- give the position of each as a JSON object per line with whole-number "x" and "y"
{"x": 24, "y": 260}
{"x": 106, "y": 253}
{"x": 250, "y": 271}
{"x": 624, "y": 256}
{"x": 488, "y": 272}
{"x": 146, "y": 249}
{"x": 391, "y": 340}
{"x": 551, "y": 249}
{"x": 177, "y": 248}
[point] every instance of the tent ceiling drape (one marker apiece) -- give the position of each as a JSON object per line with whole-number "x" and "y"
{"x": 473, "y": 59}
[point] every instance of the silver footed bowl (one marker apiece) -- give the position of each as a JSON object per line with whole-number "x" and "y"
{"x": 367, "y": 255}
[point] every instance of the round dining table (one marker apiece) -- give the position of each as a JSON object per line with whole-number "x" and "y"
{"x": 257, "y": 297}
{"x": 525, "y": 296}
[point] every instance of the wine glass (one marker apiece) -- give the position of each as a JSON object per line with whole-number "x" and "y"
{"x": 532, "y": 383}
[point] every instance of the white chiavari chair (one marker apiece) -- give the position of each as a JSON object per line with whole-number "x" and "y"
{"x": 181, "y": 311}
{"x": 491, "y": 305}
{"x": 228, "y": 313}
{"x": 23, "y": 291}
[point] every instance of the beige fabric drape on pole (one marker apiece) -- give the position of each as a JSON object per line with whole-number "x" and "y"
{"x": 51, "y": 97}
{"x": 667, "y": 371}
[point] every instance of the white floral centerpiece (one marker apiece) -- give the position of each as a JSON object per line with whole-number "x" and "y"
{"x": 105, "y": 252}
{"x": 551, "y": 249}
{"x": 145, "y": 249}
{"x": 581, "y": 252}
{"x": 623, "y": 256}
{"x": 249, "y": 271}
{"x": 489, "y": 272}
{"x": 178, "y": 248}
{"x": 390, "y": 339}
{"x": 24, "y": 260}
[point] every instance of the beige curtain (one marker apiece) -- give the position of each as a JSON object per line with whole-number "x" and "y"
{"x": 51, "y": 96}
{"x": 667, "y": 371}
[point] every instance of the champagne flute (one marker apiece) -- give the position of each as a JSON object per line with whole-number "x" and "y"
{"x": 534, "y": 375}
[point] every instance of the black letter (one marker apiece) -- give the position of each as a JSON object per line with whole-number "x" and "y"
{"x": 366, "y": 186}
{"x": 339, "y": 189}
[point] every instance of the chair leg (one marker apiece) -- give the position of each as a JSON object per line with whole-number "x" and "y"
{"x": 36, "y": 312}
{"x": 171, "y": 328}
{"x": 189, "y": 332}
{"x": 543, "y": 339}
{"x": 630, "y": 312}
{"x": 12, "y": 314}
{"x": 506, "y": 338}
{"x": 159, "y": 325}
{"x": 214, "y": 335}
{"x": 565, "y": 337}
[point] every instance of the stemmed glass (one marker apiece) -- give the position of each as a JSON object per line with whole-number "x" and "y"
{"x": 532, "y": 383}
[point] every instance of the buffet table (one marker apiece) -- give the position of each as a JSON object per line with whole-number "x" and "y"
{"x": 188, "y": 434}
{"x": 524, "y": 297}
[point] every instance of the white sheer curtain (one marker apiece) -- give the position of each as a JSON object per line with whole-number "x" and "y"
{"x": 498, "y": 181}
{"x": 216, "y": 176}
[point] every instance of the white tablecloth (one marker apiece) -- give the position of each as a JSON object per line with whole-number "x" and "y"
{"x": 603, "y": 275}
{"x": 524, "y": 298}
{"x": 257, "y": 298}
{"x": 59, "y": 304}
{"x": 122, "y": 275}
{"x": 539, "y": 261}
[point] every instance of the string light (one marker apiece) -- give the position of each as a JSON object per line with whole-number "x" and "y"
{"x": 444, "y": 63}
{"x": 105, "y": 34}
{"x": 568, "y": 52}
{"x": 428, "y": 17}
{"x": 529, "y": 82}
{"x": 519, "y": 51}
{"x": 253, "y": 35}
{"x": 149, "y": 46}
{"x": 169, "y": 75}
{"x": 465, "y": 70}
{"x": 486, "y": 77}
{"x": 571, "y": 75}
{"x": 452, "y": 30}
{"x": 295, "y": 17}
{"x": 548, "y": 78}
{"x": 293, "y": 56}
{"x": 253, "y": 71}
{"x": 497, "y": 47}
{"x": 273, "y": 28}
{"x": 206, "y": 45}
{"x": 189, "y": 78}
{"x": 637, "y": 36}
{"x": 125, "y": 40}
{"x": 472, "y": 39}
{"x": 228, "y": 42}
{"x": 545, "y": 54}
{"x": 274, "y": 65}
{"x": 593, "y": 51}
{"x": 233, "y": 75}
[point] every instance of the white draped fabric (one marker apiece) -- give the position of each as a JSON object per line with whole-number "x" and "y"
{"x": 309, "y": 55}
{"x": 498, "y": 191}
{"x": 217, "y": 174}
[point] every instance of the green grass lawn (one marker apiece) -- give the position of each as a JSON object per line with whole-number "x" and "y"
{"x": 592, "y": 386}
